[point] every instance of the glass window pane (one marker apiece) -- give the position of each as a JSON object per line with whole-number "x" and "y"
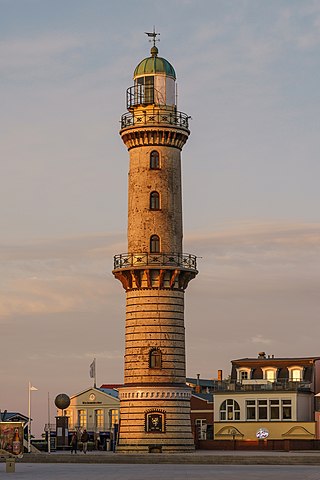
{"x": 155, "y": 244}
{"x": 154, "y": 160}
{"x": 154, "y": 201}
{"x": 286, "y": 413}
{"x": 275, "y": 413}
{"x": 263, "y": 413}
{"x": 155, "y": 359}
{"x": 251, "y": 413}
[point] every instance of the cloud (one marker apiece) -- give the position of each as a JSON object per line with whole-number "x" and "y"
{"x": 74, "y": 273}
{"x": 261, "y": 339}
{"x": 61, "y": 275}
{"x": 269, "y": 245}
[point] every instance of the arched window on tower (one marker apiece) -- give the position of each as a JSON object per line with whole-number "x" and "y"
{"x": 154, "y": 201}
{"x": 154, "y": 244}
{"x": 155, "y": 358}
{"x": 154, "y": 160}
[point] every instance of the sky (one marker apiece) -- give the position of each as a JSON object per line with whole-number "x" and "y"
{"x": 248, "y": 73}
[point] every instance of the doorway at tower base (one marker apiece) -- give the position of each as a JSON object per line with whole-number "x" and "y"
{"x": 155, "y": 420}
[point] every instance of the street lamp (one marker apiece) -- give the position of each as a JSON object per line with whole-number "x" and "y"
{"x": 30, "y": 389}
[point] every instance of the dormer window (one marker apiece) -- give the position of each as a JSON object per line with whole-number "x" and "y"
{"x": 270, "y": 374}
{"x": 295, "y": 374}
{"x": 243, "y": 374}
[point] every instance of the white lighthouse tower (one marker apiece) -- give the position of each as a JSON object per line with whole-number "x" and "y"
{"x": 155, "y": 401}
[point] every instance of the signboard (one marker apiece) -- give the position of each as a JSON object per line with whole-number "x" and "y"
{"x": 11, "y": 438}
{"x": 262, "y": 433}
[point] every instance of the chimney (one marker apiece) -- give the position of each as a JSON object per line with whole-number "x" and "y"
{"x": 198, "y": 390}
{"x": 219, "y": 375}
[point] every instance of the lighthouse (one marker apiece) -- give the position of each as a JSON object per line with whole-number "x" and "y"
{"x": 155, "y": 271}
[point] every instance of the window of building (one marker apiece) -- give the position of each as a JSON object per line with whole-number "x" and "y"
{"x": 114, "y": 417}
{"x": 99, "y": 419}
{"x": 154, "y": 201}
{"x": 243, "y": 374}
{"x": 251, "y": 410}
{"x": 154, "y": 160}
{"x": 230, "y": 410}
{"x": 82, "y": 418}
{"x": 295, "y": 374}
{"x": 286, "y": 410}
{"x": 270, "y": 374}
{"x": 262, "y": 409}
{"x": 155, "y": 244}
{"x": 274, "y": 409}
{"x": 201, "y": 428}
{"x": 155, "y": 358}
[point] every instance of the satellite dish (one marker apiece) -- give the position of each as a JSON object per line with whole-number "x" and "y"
{"x": 262, "y": 433}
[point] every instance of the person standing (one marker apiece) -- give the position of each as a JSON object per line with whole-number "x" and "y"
{"x": 74, "y": 443}
{"x": 84, "y": 440}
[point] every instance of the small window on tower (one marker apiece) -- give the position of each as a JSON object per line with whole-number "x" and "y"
{"x": 154, "y": 201}
{"x": 154, "y": 244}
{"x": 154, "y": 160}
{"x": 155, "y": 358}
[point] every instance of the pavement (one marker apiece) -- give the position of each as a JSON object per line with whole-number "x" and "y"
{"x": 63, "y": 471}
{"x": 199, "y": 457}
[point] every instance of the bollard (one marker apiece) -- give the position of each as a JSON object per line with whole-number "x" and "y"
{"x": 10, "y": 465}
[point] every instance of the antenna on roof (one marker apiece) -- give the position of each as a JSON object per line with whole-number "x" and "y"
{"x": 153, "y": 36}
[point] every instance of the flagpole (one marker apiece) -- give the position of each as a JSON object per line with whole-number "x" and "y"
{"x": 29, "y": 416}
{"x": 95, "y": 374}
{"x": 49, "y": 433}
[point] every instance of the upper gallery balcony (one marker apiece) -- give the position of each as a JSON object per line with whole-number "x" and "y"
{"x": 183, "y": 261}
{"x": 159, "y": 116}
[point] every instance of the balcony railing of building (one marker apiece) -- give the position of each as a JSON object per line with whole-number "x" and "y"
{"x": 162, "y": 116}
{"x": 246, "y": 386}
{"x": 138, "y": 260}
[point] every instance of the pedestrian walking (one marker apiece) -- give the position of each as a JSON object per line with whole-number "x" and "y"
{"x": 74, "y": 443}
{"x": 84, "y": 440}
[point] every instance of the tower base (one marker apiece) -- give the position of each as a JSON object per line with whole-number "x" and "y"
{"x": 155, "y": 419}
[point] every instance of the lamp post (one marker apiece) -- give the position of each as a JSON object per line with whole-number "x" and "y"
{"x": 30, "y": 389}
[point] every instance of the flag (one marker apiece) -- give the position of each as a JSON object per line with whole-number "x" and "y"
{"x": 33, "y": 389}
{"x": 93, "y": 369}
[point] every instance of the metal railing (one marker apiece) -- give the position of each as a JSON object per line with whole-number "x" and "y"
{"x": 140, "y": 95}
{"x": 161, "y": 116}
{"x": 278, "y": 385}
{"x": 132, "y": 260}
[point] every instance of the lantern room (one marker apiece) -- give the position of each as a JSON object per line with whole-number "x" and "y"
{"x": 154, "y": 83}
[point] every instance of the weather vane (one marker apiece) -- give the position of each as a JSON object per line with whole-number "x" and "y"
{"x": 154, "y": 38}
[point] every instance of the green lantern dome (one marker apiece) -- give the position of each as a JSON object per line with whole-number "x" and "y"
{"x": 154, "y": 64}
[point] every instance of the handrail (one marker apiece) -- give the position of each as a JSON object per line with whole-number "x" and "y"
{"x": 132, "y": 260}
{"x": 161, "y": 116}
